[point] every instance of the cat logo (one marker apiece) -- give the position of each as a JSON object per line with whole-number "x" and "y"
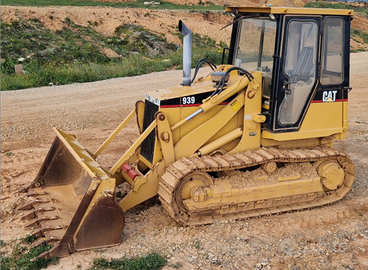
{"x": 329, "y": 96}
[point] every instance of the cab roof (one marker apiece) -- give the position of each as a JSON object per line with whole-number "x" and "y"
{"x": 291, "y": 10}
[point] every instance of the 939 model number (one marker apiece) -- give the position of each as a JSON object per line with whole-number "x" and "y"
{"x": 188, "y": 100}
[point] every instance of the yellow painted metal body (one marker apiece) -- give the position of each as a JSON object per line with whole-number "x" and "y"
{"x": 332, "y": 121}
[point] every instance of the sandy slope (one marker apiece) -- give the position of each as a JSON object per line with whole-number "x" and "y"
{"x": 159, "y": 21}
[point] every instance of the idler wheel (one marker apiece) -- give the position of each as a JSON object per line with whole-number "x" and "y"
{"x": 332, "y": 175}
{"x": 189, "y": 182}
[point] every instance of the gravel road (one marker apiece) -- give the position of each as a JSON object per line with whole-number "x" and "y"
{"x": 331, "y": 237}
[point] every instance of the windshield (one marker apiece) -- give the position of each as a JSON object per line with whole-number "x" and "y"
{"x": 255, "y": 44}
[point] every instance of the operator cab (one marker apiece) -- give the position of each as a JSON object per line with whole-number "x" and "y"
{"x": 302, "y": 53}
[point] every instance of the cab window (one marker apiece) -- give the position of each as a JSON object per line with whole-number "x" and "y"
{"x": 332, "y": 51}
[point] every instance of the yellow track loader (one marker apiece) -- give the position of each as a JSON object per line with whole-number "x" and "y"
{"x": 252, "y": 138}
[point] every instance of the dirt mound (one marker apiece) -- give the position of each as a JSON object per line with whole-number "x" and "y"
{"x": 249, "y": 3}
{"x": 105, "y": 20}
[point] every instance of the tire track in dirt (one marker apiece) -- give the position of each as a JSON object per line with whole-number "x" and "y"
{"x": 323, "y": 216}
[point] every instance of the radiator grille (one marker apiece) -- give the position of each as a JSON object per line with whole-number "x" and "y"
{"x": 148, "y": 145}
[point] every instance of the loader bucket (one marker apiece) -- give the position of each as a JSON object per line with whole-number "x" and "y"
{"x": 74, "y": 203}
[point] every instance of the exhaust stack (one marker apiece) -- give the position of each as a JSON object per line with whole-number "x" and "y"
{"x": 187, "y": 53}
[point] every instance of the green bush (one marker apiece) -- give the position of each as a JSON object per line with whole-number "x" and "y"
{"x": 75, "y": 53}
{"x": 153, "y": 261}
{"x": 21, "y": 258}
{"x": 361, "y": 34}
{"x": 130, "y": 4}
{"x": 362, "y": 10}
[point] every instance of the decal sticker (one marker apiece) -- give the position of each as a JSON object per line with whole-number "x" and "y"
{"x": 152, "y": 99}
{"x": 188, "y": 100}
{"x": 329, "y": 96}
{"x": 235, "y": 106}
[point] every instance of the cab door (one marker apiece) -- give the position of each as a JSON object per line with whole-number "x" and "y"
{"x": 298, "y": 70}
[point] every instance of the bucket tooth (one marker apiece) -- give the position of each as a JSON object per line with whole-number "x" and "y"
{"x": 30, "y": 214}
{"x": 59, "y": 250}
{"x": 30, "y": 205}
{"x": 27, "y": 206}
{"x": 42, "y": 232}
{"x": 34, "y": 193}
{"x": 44, "y": 241}
{"x": 53, "y": 236}
{"x": 33, "y": 213}
{"x": 38, "y": 221}
{"x": 25, "y": 189}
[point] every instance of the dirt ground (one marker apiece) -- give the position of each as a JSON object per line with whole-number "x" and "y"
{"x": 331, "y": 237}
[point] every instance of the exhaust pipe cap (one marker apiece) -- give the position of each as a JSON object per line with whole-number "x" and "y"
{"x": 187, "y": 53}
